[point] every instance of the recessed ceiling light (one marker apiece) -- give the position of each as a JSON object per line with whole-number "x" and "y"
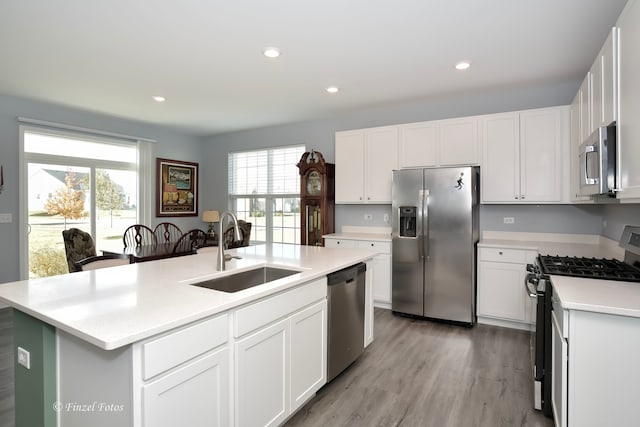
{"x": 463, "y": 65}
{"x": 271, "y": 52}
{"x": 333, "y": 89}
{"x": 159, "y": 98}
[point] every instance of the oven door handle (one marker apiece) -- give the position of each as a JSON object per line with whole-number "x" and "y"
{"x": 531, "y": 279}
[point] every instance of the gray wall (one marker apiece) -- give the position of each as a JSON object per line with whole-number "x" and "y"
{"x": 615, "y": 217}
{"x": 169, "y": 144}
{"x": 319, "y": 135}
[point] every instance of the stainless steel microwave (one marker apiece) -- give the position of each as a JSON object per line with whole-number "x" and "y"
{"x": 597, "y": 162}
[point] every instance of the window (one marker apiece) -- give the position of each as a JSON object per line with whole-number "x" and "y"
{"x": 76, "y": 180}
{"x": 264, "y": 189}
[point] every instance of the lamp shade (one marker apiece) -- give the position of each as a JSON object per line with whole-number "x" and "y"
{"x": 210, "y": 216}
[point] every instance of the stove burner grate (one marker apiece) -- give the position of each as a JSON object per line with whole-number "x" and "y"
{"x": 590, "y": 268}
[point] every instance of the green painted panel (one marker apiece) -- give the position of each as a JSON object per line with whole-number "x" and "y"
{"x": 35, "y": 388}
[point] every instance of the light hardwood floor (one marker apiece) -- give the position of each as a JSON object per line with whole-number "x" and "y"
{"x": 422, "y": 373}
{"x": 6, "y": 368}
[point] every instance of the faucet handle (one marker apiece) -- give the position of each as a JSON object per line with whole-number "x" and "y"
{"x": 227, "y": 257}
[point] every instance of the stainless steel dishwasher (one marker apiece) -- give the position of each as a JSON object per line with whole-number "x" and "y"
{"x": 346, "y": 318}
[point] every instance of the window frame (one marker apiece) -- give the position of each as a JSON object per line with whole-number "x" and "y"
{"x": 141, "y": 167}
{"x": 270, "y": 196}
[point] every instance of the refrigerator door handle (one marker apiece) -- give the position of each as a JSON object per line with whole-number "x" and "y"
{"x": 419, "y": 224}
{"x": 424, "y": 200}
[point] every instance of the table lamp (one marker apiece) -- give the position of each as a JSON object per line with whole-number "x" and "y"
{"x": 211, "y": 217}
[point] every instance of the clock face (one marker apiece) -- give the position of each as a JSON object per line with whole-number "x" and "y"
{"x": 314, "y": 183}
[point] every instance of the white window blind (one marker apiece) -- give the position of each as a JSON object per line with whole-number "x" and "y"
{"x": 269, "y": 171}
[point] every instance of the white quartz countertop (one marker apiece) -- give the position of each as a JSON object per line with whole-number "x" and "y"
{"x": 116, "y": 306}
{"x": 600, "y": 296}
{"x": 579, "y": 245}
{"x": 378, "y": 237}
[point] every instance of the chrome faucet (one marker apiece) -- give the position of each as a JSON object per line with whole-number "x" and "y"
{"x": 222, "y": 257}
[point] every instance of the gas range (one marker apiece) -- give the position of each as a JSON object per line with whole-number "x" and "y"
{"x": 588, "y": 268}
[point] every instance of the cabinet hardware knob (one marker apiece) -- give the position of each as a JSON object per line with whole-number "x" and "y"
{"x": 515, "y": 197}
{"x": 500, "y": 253}
{"x": 522, "y": 197}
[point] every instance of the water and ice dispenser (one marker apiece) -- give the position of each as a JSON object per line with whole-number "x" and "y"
{"x": 407, "y": 221}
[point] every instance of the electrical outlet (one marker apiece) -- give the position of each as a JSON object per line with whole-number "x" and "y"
{"x": 24, "y": 358}
{"x": 6, "y": 218}
{"x": 509, "y": 220}
{"x": 368, "y": 217}
{"x": 386, "y": 217}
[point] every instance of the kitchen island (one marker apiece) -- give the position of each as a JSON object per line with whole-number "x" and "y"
{"x": 137, "y": 345}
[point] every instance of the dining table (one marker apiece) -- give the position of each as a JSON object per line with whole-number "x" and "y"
{"x": 152, "y": 252}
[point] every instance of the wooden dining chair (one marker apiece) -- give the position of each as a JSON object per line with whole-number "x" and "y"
{"x": 167, "y": 232}
{"x": 102, "y": 261}
{"x": 190, "y": 241}
{"x": 138, "y": 235}
{"x": 245, "y": 231}
{"x": 78, "y": 245}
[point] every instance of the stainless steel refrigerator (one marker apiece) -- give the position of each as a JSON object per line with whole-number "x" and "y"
{"x": 434, "y": 235}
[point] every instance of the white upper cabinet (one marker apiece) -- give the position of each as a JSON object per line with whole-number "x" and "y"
{"x": 628, "y": 145}
{"x": 439, "y": 143}
{"x": 542, "y": 137}
{"x": 458, "y": 141}
{"x": 523, "y": 156}
{"x": 576, "y": 138}
{"x": 418, "y": 145}
{"x": 586, "y": 116}
{"x": 500, "y": 171}
{"x": 604, "y": 72}
{"x": 364, "y": 161}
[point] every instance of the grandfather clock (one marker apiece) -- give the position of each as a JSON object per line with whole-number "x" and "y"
{"x": 317, "y": 194}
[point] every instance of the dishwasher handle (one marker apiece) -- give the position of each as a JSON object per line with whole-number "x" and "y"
{"x": 347, "y": 275}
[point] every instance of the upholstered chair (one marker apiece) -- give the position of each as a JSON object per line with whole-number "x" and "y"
{"x": 78, "y": 245}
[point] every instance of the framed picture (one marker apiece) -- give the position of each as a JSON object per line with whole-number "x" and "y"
{"x": 177, "y": 188}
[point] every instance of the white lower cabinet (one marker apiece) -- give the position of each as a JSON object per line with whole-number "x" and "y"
{"x": 280, "y": 362}
{"x": 595, "y": 369}
{"x": 196, "y": 394}
{"x": 502, "y": 299}
{"x": 262, "y": 386}
{"x": 559, "y": 358}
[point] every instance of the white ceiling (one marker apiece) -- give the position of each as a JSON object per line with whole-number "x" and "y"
{"x": 205, "y": 56}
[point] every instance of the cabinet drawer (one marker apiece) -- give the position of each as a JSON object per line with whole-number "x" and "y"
{"x": 561, "y": 317}
{"x": 273, "y": 308}
{"x": 518, "y": 256}
{"x": 174, "y": 348}
{"x": 340, "y": 243}
{"x": 382, "y": 247}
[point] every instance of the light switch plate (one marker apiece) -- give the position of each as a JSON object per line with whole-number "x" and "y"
{"x": 24, "y": 358}
{"x": 509, "y": 220}
{"x": 6, "y": 218}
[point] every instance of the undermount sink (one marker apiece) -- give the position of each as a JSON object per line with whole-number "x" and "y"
{"x": 246, "y": 279}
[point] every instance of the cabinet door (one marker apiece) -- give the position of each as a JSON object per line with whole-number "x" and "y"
{"x": 418, "y": 145}
{"x": 541, "y": 138}
{"x": 585, "y": 107}
{"x": 368, "y": 304}
{"x": 308, "y": 353}
{"x": 381, "y": 265}
{"x": 196, "y": 394}
{"x": 500, "y": 291}
{"x": 629, "y": 92}
{"x": 261, "y": 376}
{"x": 609, "y": 97}
{"x": 596, "y": 93}
{"x": 559, "y": 359}
{"x": 349, "y": 184}
{"x": 458, "y": 141}
{"x": 381, "y": 158}
{"x": 501, "y": 158}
